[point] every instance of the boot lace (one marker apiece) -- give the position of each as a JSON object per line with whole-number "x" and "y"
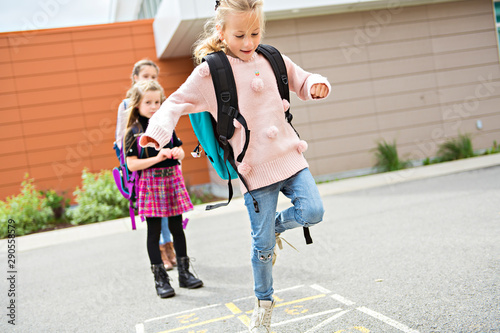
{"x": 190, "y": 263}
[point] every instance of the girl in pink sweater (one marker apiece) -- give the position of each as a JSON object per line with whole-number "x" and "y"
{"x": 274, "y": 160}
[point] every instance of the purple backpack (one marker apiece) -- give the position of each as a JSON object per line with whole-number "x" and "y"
{"x": 128, "y": 181}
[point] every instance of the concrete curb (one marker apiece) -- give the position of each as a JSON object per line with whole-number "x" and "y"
{"x": 61, "y": 236}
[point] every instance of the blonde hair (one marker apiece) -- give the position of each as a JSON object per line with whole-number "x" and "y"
{"x": 136, "y": 93}
{"x": 209, "y": 40}
{"x": 138, "y": 66}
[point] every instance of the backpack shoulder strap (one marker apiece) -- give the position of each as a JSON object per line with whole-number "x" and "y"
{"x": 136, "y": 132}
{"x": 225, "y": 91}
{"x": 227, "y": 100}
{"x": 278, "y": 65}
{"x": 227, "y": 111}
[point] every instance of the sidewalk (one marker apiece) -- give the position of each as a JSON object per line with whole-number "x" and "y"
{"x": 44, "y": 239}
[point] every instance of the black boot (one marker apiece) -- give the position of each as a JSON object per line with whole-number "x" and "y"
{"x": 163, "y": 287}
{"x": 186, "y": 279}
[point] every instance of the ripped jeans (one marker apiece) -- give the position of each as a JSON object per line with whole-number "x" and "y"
{"x": 307, "y": 210}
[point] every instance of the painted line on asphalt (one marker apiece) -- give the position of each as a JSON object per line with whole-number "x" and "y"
{"x": 295, "y": 301}
{"x": 139, "y": 328}
{"x": 306, "y": 317}
{"x": 300, "y": 300}
{"x": 198, "y": 324}
{"x": 342, "y": 300}
{"x": 387, "y": 320}
{"x": 327, "y": 321}
{"x": 233, "y": 308}
{"x": 320, "y": 289}
{"x": 276, "y": 291}
{"x": 178, "y": 313}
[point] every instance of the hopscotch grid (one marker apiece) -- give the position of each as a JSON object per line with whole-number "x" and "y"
{"x": 303, "y": 318}
{"x": 140, "y": 327}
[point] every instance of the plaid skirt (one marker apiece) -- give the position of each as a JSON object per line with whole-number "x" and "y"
{"x": 162, "y": 193}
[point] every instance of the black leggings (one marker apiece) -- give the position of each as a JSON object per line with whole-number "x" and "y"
{"x": 153, "y": 240}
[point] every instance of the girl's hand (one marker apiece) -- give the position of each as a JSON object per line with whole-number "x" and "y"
{"x": 319, "y": 90}
{"x": 146, "y": 140}
{"x": 178, "y": 153}
{"x": 163, "y": 154}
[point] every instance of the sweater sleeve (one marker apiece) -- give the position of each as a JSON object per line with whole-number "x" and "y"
{"x": 301, "y": 81}
{"x": 121, "y": 124}
{"x": 191, "y": 97}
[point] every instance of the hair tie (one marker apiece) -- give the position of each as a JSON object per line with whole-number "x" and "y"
{"x": 217, "y": 4}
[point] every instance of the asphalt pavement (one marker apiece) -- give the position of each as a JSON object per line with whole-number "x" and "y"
{"x": 410, "y": 251}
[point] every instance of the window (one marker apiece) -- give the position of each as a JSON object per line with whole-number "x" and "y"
{"x": 148, "y": 9}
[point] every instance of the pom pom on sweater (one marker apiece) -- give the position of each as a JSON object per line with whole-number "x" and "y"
{"x": 244, "y": 169}
{"x": 272, "y": 132}
{"x": 286, "y": 105}
{"x": 257, "y": 84}
{"x": 302, "y": 146}
{"x": 204, "y": 70}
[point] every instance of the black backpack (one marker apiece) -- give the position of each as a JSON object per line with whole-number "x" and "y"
{"x": 214, "y": 136}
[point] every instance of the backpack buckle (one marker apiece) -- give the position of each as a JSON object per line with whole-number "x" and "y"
{"x": 284, "y": 79}
{"x": 225, "y": 96}
{"x": 231, "y": 111}
{"x": 223, "y": 140}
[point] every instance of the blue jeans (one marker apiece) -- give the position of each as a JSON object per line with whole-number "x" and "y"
{"x": 165, "y": 236}
{"x": 307, "y": 210}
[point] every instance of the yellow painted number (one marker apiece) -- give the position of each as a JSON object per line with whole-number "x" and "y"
{"x": 186, "y": 319}
{"x": 296, "y": 310}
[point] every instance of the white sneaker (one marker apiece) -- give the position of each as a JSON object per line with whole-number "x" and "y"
{"x": 261, "y": 316}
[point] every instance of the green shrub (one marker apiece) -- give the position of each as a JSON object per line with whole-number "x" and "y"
{"x": 494, "y": 149}
{"x": 57, "y": 203}
{"x": 388, "y": 159}
{"x": 455, "y": 149}
{"x": 30, "y": 210}
{"x": 98, "y": 199}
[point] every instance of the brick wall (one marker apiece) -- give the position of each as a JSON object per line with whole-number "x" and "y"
{"x": 60, "y": 90}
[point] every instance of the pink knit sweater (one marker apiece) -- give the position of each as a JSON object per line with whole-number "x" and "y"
{"x": 274, "y": 152}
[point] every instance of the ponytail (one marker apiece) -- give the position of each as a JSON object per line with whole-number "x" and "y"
{"x": 208, "y": 42}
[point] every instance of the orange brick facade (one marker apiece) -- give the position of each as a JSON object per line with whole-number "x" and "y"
{"x": 60, "y": 90}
